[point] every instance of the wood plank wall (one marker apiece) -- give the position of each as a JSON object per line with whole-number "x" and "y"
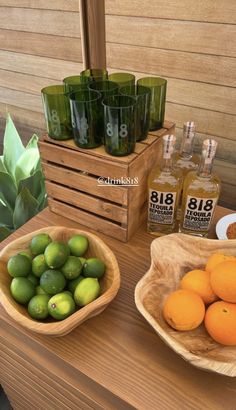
{"x": 192, "y": 44}
{"x": 40, "y": 44}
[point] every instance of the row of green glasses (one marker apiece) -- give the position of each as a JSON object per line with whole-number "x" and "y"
{"x": 99, "y": 110}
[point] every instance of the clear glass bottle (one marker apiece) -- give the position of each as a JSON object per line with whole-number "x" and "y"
{"x": 164, "y": 187}
{"x": 185, "y": 159}
{"x": 201, "y": 192}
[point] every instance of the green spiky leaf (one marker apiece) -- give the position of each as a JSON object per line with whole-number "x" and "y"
{"x": 26, "y": 207}
{"x": 12, "y": 146}
{"x": 8, "y": 192}
{"x": 4, "y": 232}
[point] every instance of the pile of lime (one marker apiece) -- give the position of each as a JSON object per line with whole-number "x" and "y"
{"x": 54, "y": 278}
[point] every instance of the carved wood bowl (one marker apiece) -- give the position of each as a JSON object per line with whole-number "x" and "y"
{"x": 173, "y": 256}
{"x": 110, "y": 283}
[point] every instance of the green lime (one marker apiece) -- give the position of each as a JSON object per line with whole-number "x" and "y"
{"x": 67, "y": 292}
{"x": 71, "y": 284}
{"x": 38, "y": 307}
{"x": 94, "y": 268}
{"x": 39, "y": 243}
{"x": 72, "y": 268}
{"x": 52, "y": 281}
{"x": 82, "y": 260}
{"x": 22, "y": 290}
{"x": 78, "y": 245}
{"x": 39, "y": 291}
{"x": 27, "y": 253}
{"x": 19, "y": 265}
{"x": 39, "y": 265}
{"x": 33, "y": 279}
{"x": 61, "y": 306}
{"x": 87, "y": 291}
{"x": 56, "y": 254}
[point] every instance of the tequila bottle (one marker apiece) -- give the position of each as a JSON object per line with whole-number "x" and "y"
{"x": 185, "y": 159}
{"x": 200, "y": 194}
{"x": 164, "y": 187}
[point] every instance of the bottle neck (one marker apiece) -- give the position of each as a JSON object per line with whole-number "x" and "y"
{"x": 167, "y": 164}
{"x": 208, "y": 153}
{"x": 186, "y": 149}
{"x": 205, "y": 167}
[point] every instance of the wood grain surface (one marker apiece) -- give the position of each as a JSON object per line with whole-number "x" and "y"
{"x": 113, "y": 361}
{"x": 209, "y": 11}
{"x": 54, "y": 22}
{"x": 192, "y": 45}
{"x": 71, "y": 5}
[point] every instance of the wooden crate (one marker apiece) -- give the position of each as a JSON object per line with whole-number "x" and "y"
{"x": 73, "y": 189}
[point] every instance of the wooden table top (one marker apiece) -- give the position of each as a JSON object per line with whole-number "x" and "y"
{"x": 117, "y": 351}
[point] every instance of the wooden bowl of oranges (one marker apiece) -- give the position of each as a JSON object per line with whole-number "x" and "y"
{"x": 189, "y": 297}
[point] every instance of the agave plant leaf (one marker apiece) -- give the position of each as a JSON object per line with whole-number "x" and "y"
{"x": 26, "y": 207}
{"x": 8, "y": 191}
{"x": 4, "y": 232}
{"x": 12, "y": 146}
{"x": 2, "y": 166}
{"x": 6, "y": 215}
{"x": 26, "y": 164}
{"x": 42, "y": 198}
{"x": 33, "y": 142}
{"x": 33, "y": 183}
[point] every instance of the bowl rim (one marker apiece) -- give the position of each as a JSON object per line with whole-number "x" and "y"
{"x": 58, "y": 327}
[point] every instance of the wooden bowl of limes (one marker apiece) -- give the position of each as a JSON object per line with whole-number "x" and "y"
{"x": 172, "y": 257}
{"x": 18, "y": 303}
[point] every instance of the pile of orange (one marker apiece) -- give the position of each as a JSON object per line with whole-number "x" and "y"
{"x": 206, "y": 295}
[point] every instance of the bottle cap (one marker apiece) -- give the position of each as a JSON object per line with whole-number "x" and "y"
{"x": 168, "y": 147}
{"x": 209, "y": 150}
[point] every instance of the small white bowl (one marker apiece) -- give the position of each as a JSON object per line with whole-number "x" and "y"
{"x": 222, "y": 225}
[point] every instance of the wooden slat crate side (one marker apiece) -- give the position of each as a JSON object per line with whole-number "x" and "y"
{"x": 85, "y": 183}
{"x": 89, "y": 220}
{"x": 87, "y": 202}
{"x": 80, "y": 161}
{"x": 100, "y": 151}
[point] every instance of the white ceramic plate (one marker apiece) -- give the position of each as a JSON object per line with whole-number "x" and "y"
{"x": 222, "y": 225}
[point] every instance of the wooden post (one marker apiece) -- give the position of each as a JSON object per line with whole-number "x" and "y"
{"x": 92, "y": 18}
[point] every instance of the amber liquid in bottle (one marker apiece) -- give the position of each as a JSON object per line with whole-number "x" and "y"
{"x": 201, "y": 192}
{"x": 164, "y": 186}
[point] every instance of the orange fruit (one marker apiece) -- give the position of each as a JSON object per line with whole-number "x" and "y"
{"x": 223, "y": 280}
{"x": 217, "y": 258}
{"x": 220, "y": 322}
{"x": 184, "y": 310}
{"x": 199, "y": 281}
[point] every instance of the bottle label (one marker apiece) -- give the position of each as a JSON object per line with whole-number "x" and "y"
{"x": 198, "y": 213}
{"x": 161, "y": 207}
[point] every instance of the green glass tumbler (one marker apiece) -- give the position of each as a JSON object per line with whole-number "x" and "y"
{"x": 75, "y": 83}
{"x": 57, "y": 112}
{"x": 122, "y": 79}
{"x": 157, "y": 87}
{"x": 94, "y": 74}
{"x": 119, "y": 124}
{"x": 86, "y": 118}
{"x": 143, "y": 99}
{"x": 106, "y": 88}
